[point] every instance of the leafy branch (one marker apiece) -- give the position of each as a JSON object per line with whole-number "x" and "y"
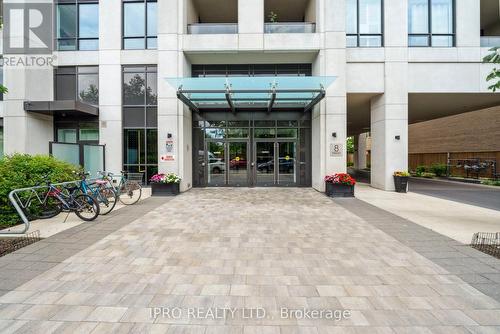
{"x": 494, "y": 76}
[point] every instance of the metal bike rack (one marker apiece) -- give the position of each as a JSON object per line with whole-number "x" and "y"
{"x": 18, "y": 203}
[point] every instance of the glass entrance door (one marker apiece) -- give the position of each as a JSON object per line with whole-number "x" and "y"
{"x": 264, "y": 164}
{"x": 238, "y": 164}
{"x": 216, "y": 163}
{"x": 287, "y": 175}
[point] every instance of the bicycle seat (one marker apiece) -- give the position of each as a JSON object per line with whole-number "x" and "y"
{"x": 101, "y": 182}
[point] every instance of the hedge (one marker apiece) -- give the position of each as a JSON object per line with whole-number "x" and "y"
{"x": 22, "y": 171}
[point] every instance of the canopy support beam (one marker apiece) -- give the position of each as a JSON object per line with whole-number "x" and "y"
{"x": 271, "y": 102}
{"x": 229, "y": 101}
{"x": 187, "y": 101}
{"x": 315, "y": 101}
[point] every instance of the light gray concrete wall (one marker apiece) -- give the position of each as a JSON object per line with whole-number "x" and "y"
{"x": 389, "y": 111}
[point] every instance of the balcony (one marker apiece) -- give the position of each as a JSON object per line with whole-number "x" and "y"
{"x": 289, "y": 28}
{"x": 490, "y": 41}
{"x": 212, "y": 28}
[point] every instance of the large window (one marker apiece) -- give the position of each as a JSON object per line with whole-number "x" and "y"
{"x": 77, "y": 25}
{"x": 431, "y": 23}
{"x": 77, "y": 130}
{"x": 251, "y": 70}
{"x": 140, "y": 119}
{"x": 77, "y": 83}
{"x": 139, "y": 24}
{"x": 364, "y": 23}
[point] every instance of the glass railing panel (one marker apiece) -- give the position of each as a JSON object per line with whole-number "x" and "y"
{"x": 213, "y": 28}
{"x": 490, "y": 41}
{"x": 289, "y": 28}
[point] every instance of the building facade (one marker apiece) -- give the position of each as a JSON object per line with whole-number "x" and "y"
{"x": 149, "y": 86}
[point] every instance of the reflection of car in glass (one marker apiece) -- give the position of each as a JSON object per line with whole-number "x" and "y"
{"x": 238, "y": 163}
{"x": 215, "y": 165}
{"x": 285, "y": 166}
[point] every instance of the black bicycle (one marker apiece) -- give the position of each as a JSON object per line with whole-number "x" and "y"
{"x": 67, "y": 199}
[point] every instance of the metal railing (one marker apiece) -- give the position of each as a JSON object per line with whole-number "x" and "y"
{"x": 212, "y": 28}
{"x": 289, "y": 28}
{"x": 488, "y": 243}
{"x": 490, "y": 41}
{"x": 30, "y": 195}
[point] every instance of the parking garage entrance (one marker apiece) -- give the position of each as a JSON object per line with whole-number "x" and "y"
{"x": 251, "y": 131}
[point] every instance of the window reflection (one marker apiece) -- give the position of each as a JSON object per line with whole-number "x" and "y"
{"x": 364, "y": 23}
{"x": 139, "y": 24}
{"x": 440, "y": 21}
{"x": 77, "y": 26}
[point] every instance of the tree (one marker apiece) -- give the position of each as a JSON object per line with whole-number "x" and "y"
{"x": 350, "y": 145}
{"x": 494, "y": 58}
{"x": 90, "y": 95}
{"x": 3, "y": 89}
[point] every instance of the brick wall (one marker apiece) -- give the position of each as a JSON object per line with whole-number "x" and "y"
{"x": 477, "y": 131}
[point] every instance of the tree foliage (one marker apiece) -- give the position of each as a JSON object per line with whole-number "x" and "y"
{"x": 494, "y": 76}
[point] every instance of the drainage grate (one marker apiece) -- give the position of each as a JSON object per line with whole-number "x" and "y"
{"x": 11, "y": 244}
{"x": 488, "y": 243}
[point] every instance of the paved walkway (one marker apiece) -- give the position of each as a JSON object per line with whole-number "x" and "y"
{"x": 456, "y": 220}
{"x": 256, "y": 250}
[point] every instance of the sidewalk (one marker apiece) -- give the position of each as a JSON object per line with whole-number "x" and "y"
{"x": 456, "y": 220}
{"x": 62, "y": 222}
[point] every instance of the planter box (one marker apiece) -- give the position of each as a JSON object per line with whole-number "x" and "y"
{"x": 401, "y": 183}
{"x": 164, "y": 189}
{"x": 339, "y": 190}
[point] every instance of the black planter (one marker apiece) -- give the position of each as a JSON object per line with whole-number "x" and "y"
{"x": 339, "y": 190}
{"x": 401, "y": 183}
{"x": 164, "y": 189}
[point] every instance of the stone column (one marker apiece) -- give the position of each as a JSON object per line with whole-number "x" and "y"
{"x": 361, "y": 150}
{"x": 389, "y": 111}
{"x": 110, "y": 83}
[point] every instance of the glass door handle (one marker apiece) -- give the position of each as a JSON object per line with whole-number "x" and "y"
{"x": 252, "y": 164}
{"x": 202, "y": 164}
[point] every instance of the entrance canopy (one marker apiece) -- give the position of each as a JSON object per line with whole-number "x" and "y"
{"x": 251, "y": 92}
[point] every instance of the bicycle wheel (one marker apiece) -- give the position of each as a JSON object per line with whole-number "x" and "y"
{"x": 86, "y": 207}
{"x": 130, "y": 192}
{"x": 49, "y": 209}
{"x": 107, "y": 200}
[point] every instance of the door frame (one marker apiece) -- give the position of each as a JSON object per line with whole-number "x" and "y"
{"x": 275, "y": 142}
{"x": 227, "y": 142}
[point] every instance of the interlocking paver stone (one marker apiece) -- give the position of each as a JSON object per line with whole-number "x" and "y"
{"x": 274, "y": 249}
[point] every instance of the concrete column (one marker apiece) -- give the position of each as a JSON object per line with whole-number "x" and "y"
{"x": 468, "y": 24}
{"x": 27, "y": 132}
{"x": 329, "y": 119}
{"x": 110, "y": 87}
{"x": 389, "y": 111}
{"x": 361, "y": 150}
{"x": 174, "y": 120}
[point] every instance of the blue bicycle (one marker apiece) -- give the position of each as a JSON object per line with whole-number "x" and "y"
{"x": 100, "y": 190}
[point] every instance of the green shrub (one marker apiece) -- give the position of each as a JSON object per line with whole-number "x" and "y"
{"x": 420, "y": 170}
{"x": 438, "y": 169}
{"x": 491, "y": 182}
{"x": 350, "y": 164}
{"x": 22, "y": 171}
{"x": 428, "y": 175}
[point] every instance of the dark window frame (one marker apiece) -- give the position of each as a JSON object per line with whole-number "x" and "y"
{"x": 429, "y": 35}
{"x": 148, "y": 166}
{"x": 75, "y": 74}
{"x": 76, "y": 124}
{"x": 298, "y": 69}
{"x": 146, "y": 36}
{"x": 77, "y": 38}
{"x": 358, "y": 35}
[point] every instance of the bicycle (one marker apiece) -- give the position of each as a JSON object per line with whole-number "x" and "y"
{"x": 106, "y": 196}
{"x": 55, "y": 201}
{"x": 129, "y": 192}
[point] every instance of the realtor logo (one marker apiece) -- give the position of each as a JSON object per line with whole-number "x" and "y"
{"x": 27, "y": 28}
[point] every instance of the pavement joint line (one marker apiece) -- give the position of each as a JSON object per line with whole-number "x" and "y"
{"x": 67, "y": 243}
{"x": 462, "y": 258}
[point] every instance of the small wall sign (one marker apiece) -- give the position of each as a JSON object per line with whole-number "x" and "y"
{"x": 169, "y": 146}
{"x": 336, "y": 150}
{"x": 167, "y": 158}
